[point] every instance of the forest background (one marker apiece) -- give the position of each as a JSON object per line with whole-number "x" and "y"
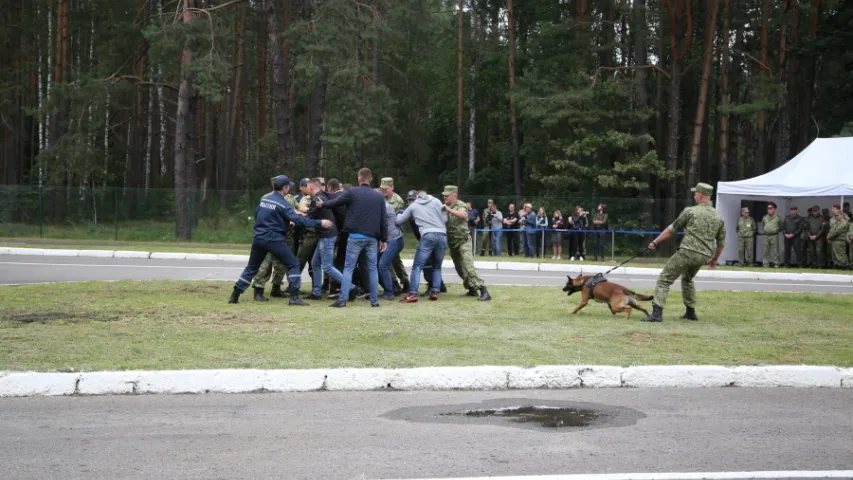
{"x": 181, "y": 111}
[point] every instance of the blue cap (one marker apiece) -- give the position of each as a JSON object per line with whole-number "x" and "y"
{"x": 304, "y": 182}
{"x": 413, "y": 194}
{"x": 281, "y": 181}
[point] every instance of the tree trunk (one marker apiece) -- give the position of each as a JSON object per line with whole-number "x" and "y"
{"x": 699, "y": 123}
{"x": 262, "y": 80}
{"x": 674, "y": 118}
{"x": 724, "y": 94}
{"x": 516, "y": 160}
{"x": 318, "y": 108}
{"x": 280, "y": 87}
{"x": 607, "y": 34}
{"x": 233, "y": 135}
{"x": 809, "y": 80}
{"x": 735, "y": 91}
{"x": 460, "y": 98}
{"x": 794, "y": 82}
{"x": 472, "y": 91}
{"x": 183, "y": 142}
{"x": 760, "y": 156}
{"x": 781, "y": 99}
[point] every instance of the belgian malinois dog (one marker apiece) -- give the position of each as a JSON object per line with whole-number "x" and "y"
{"x": 617, "y": 297}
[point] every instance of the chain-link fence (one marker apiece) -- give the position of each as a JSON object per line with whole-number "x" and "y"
{"x": 226, "y": 217}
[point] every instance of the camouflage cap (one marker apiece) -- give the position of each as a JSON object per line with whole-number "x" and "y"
{"x": 816, "y": 208}
{"x": 744, "y": 210}
{"x": 839, "y": 212}
{"x": 322, "y": 180}
{"x": 386, "y": 182}
{"x": 450, "y": 189}
{"x": 794, "y": 207}
{"x": 703, "y": 188}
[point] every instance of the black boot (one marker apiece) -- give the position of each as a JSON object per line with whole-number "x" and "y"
{"x": 690, "y": 314}
{"x": 296, "y": 301}
{"x": 472, "y": 292}
{"x": 235, "y": 295}
{"x": 259, "y": 295}
{"x": 484, "y": 295}
{"x": 405, "y": 286}
{"x": 656, "y": 316}
{"x": 276, "y": 292}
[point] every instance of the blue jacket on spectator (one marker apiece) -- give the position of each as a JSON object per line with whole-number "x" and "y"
{"x": 273, "y": 217}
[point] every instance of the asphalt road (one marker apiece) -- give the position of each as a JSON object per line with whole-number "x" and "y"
{"x": 348, "y": 435}
{"x": 15, "y": 269}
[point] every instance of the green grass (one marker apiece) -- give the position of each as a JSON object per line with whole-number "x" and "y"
{"x": 181, "y": 325}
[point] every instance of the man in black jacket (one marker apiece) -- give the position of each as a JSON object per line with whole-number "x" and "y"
{"x": 792, "y": 229}
{"x": 367, "y": 230}
{"x": 272, "y": 220}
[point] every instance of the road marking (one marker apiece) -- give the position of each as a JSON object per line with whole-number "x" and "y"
{"x": 678, "y": 476}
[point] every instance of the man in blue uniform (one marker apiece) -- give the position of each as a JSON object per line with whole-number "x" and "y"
{"x": 272, "y": 219}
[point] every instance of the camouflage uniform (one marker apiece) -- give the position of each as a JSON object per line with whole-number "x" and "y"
{"x": 838, "y": 236}
{"x": 309, "y": 236}
{"x": 746, "y": 229}
{"x": 271, "y": 266}
{"x": 459, "y": 243}
{"x": 702, "y": 225}
{"x": 814, "y": 248}
{"x": 770, "y": 226}
{"x": 849, "y": 245}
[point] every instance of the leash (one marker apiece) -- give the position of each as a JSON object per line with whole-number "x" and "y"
{"x": 639, "y": 253}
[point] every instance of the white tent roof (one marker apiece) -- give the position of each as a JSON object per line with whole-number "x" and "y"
{"x": 823, "y": 169}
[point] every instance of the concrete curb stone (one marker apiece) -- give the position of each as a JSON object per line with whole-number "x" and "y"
{"x": 18, "y": 384}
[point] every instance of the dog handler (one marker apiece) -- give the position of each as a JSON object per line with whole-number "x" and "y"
{"x": 702, "y": 225}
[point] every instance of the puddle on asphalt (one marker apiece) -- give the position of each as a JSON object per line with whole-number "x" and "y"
{"x": 545, "y": 416}
{"x": 537, "y": 414}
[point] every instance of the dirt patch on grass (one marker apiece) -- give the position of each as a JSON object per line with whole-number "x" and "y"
{"x": 202, "y": 288}
{"x": 640, "y": 338}
{"x": 51, "y": 317}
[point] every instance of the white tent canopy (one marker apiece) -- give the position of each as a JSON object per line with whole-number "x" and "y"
{"x": 822, "y": 174}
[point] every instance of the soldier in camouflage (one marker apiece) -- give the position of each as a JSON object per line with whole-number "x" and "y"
{"x": 272, "y": 267}
{"x": 459, "y": 244}
{"x": 386, "y": 185}
{"x": 746, "y": 230}
{"x": 310, "y": 237}
{"x": 837, "y": 238}
{"x": 816, "y": 235}
{"x": 770, "y": 226}
{"x": 702, "y": 226}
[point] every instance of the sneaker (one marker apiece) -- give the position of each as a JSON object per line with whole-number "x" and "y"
{"x": 581, "y": 258}
{"x": 433, "y": 296}
{"x": 572, "y": 259}
{"x": 339, "y": 304}
{"x": 387, "y": 296}
{"x": 363, "y": 296}
{"x": 374, "y": 305}
{"x": 410, "y": 298}
{"x": 314, "y": 297}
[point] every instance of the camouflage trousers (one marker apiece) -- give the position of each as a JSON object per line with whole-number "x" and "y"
{"x": 271, "y": 266}
{"x": 684, "y": 264}
{"x": 485, "y": 242}
{"x": 839, "y": 253}
{"x": 463, "y": 260}
{"x": 814, "y": 252}
{"x": 745, "y": 247}
{"x": 306, "y": 249}
{"x": 771, "y": 249}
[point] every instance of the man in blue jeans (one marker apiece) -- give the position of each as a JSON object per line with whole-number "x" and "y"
{"x": 367, "y": 228}
{"x": 323, "y": 258}
{"x": 391, "y": 253}
{"x": 431, "y": 218}
{"x": 272, "y": 219}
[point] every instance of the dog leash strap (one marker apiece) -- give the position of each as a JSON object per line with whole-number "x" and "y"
{"x": 639, "y": 253}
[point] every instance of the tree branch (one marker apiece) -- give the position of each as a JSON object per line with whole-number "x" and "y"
{"x": 631, "y": 67}
{"x": 759, "y": 62}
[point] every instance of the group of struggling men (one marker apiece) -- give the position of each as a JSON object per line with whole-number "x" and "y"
{"x": 820, "y": 240}
{"x": 365, "y": 225}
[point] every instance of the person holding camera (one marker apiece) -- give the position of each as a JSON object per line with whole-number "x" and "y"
{"x": 599, "y": 224}
{"x": 577, "y": 246}
{"x": 557, "y": 236}
{"x": 486, "y": 239}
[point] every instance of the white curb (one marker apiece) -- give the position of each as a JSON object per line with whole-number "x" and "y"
{"x": 569, "y": 268}
{"x": 18, "y": 384}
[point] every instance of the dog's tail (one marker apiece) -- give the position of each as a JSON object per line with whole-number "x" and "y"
{"x": 639, "y": 296}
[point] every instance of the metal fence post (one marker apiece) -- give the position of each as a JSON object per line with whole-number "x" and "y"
{"x": 612, "y": 245}
{"x": 115, "y": 215}
{"x": 543, "y": 243}
{"x": 474, "y": 247}
{"x": 41, "y": 211}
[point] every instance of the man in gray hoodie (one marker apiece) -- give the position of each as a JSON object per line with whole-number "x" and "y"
{"x": 431, "y": 218}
